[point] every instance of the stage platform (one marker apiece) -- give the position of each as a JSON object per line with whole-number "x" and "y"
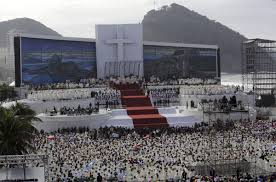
{"x": 174, "y": 118}
{"x": 53, "y": 123}
{"x": 116, "y": 118}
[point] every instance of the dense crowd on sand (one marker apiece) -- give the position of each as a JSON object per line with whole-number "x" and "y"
{"x": 119, "y": 154}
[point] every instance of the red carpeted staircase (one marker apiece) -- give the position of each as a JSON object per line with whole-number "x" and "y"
{"x": 139, "y": 107}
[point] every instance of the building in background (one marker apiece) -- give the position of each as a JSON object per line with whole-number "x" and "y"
{"x": 3, "y": 57}
{"x": 259, "y": 69}
{"x": 118, "y": 50}
{"x": 7, "y": 69}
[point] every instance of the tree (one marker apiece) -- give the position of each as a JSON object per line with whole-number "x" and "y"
{"x": 6, "y": 92}
{"x": 16, "y": 130}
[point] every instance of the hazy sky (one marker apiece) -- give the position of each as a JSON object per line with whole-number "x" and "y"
{"x": 252, "y": 18}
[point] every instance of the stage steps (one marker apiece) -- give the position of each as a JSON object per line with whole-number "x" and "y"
{"x": 136, "y": 101}
{"x": 132, "y": 92}
{"x": 127, "y": 86}
{"x": 142, "y": 110}
{"x": 121, "y": 118}
{"x": 139, "y": 107}
{"x": 149, "y": 120}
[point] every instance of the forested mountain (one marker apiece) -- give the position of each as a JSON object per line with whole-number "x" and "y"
{"x": 23, "y": 25}
{"x": 175, "y": 23}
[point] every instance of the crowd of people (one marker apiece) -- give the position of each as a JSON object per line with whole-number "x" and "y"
{"x": 168, "y": 154}
{"x": 75, "y": 111}
{"x": 125, "y": 80}
{"x": 108, "y": 97}
{"x": 101, "y": 95}
{"x": 82, "y": 83}
{"x": 86, "y": 83}
{"x": 223, "y": 104}
{"x": 181, "y": 81}
{"x": 104, "y": 93}
{"x": 194, "y": 96}
{"x": 209, "y": 90}
{"x": 164, "y": 96}
{"x": 197, "y": 81}
{"x": 98, "y": 83}
{"x": 171, "y": 154}
{"x": 60, "y": 94}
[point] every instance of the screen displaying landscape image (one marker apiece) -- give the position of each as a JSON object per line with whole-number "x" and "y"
{"x": 46, "y": 61}
{"x": 173, "y": 62}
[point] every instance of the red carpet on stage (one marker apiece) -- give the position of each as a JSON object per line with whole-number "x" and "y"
{"x": 139, "y": 107}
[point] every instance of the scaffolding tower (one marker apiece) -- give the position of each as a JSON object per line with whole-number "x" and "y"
{"x": 259, "y": 66}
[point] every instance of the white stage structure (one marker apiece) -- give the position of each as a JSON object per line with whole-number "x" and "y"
{"x": 119, "y": 50}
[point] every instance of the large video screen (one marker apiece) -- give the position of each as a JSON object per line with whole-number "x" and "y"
{"x": 45, "y": 61}
{"x": 173, "y": 62}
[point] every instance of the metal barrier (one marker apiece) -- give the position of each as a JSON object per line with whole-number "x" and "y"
{"x": 8, "y": 161}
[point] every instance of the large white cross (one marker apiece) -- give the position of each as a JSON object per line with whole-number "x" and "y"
{"x": 119, "y": 41}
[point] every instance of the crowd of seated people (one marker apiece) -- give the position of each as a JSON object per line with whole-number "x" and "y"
{"x": 164, "y": 96}
{"x": 78, "y": 111}
{"x": 68, "y": 94}
{"x": 223, "y": 104}
{"x": 180, "y": 81}
{"x": 107, "y": 97}
{"x": 209, "y": 90}
{"x": 166, "y": 154}
{"x": 75, "y": 111}
{"x": 125, "y": 80}
{"x": 74, "y": 94}
{"x": 81, "y": 89}
{"x": 98, "y": 83}
{"x": 87, "y": 83}
{"x": 19, "y": 180}
{"x": 82, "y": 83}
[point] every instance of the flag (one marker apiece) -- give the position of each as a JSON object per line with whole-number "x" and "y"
{"x": 147, "y": 136}
{"x": 51, "y": 137}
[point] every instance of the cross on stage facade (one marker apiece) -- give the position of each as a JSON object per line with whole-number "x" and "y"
{"x": 119, "y": 49}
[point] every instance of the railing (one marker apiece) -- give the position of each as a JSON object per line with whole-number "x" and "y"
{"x": 223, "y": 167}
{"x": 123, "y": 68}
{"x": 22, "y": 160}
